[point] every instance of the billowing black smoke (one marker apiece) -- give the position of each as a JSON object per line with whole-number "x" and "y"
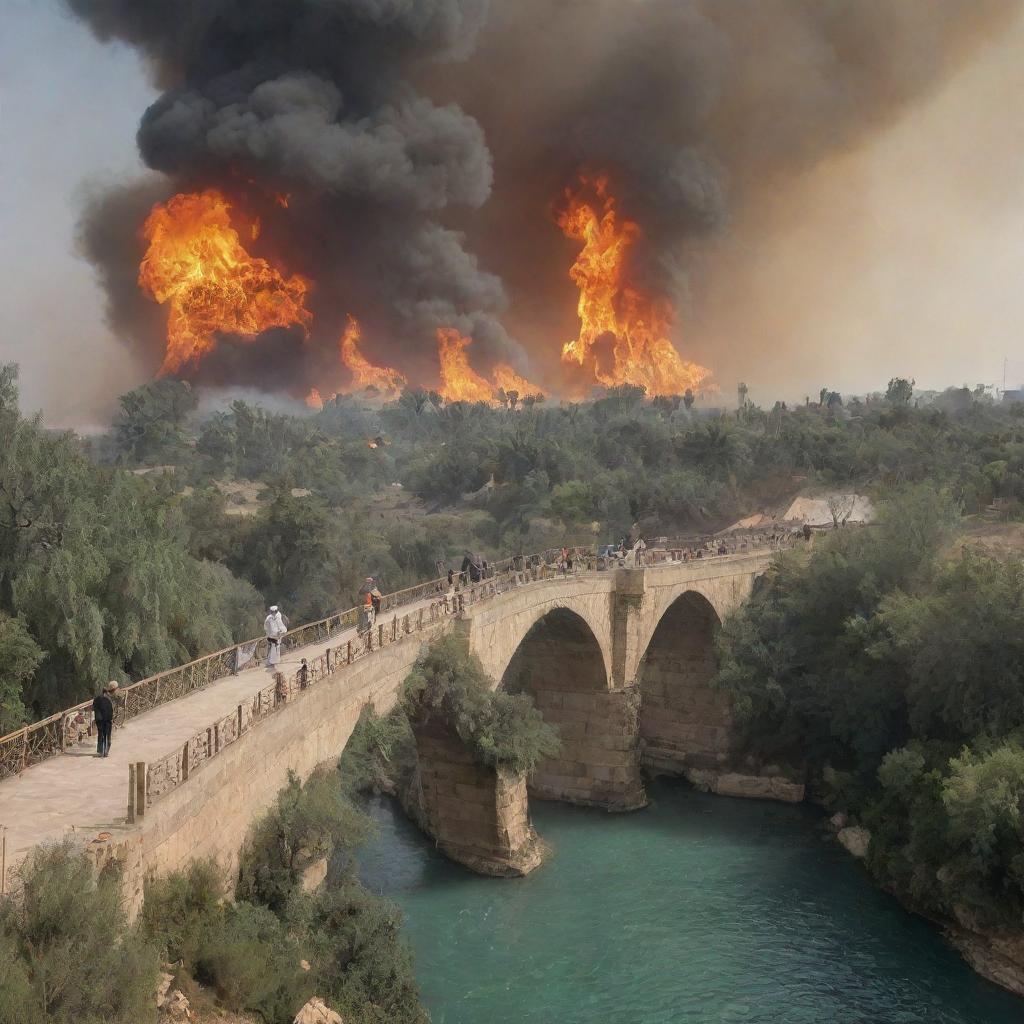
{"x": 312, "y": 99}
{"x": 399, "y": 128}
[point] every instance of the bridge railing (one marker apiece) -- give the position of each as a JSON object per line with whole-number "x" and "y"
{"x": 175, "y": 768}
{"x": 62, "y": 731}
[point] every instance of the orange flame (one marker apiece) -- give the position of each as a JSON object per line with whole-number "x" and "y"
{"x": 459, "y": 381}
{"x": 198, "y": 267}
{"x": 313, "y": 399}
{"x": 508, "y": 380}
{"x": 364, "y": 373}
{"x": 609, "y": 306}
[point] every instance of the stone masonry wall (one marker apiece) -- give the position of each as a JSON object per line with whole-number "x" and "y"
{"x": 478, "y": 815}
{"x": 561, "y": 666}
{"x": 599, "y": 764}
{"x": 210, "y": 816}
{"x": 684, "y": 723}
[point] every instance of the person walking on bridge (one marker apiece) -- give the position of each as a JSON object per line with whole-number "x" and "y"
{"x": 638, "y": 551}
{"x": 371, "y": 594}
{"x": 275, "y": 627}
{"x": 103, "y": 713}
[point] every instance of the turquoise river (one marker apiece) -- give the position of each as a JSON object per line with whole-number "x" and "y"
{"x": 695, "y": 910}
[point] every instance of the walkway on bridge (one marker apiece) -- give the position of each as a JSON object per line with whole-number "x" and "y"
{"x": 79, "y": 791}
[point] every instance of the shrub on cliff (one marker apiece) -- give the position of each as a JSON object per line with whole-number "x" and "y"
{"x": 252, "y": 962}
{"x": 308, "y": 822}
{"x": 67, "y": 953}
{"x": 361, "y": 965}
{"x": 180, "y": 909}
{"x": 502, "y": 729}
{"x": 379, "y": 754}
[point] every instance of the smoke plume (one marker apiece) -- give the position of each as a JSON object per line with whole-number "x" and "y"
{"x": 423, "y": 147}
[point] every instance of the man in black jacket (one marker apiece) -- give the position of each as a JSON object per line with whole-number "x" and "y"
{"x": 103, "y": 712}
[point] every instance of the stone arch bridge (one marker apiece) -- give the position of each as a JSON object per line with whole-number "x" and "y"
{"x": 618, "y": 660}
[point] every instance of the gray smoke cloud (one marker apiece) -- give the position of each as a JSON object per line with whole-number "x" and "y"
{"x": 314, "y": 99}
{"x": 695, "y": 108}
{"x": 292, "y": 131}
{"x": 413, "y": 135}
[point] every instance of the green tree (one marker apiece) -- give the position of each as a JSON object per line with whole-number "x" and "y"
{"x": 67, "y": 953}
{"x": 308, "y": 822}
{"x": 19, "y": 656}
{"x": 360, "y": 964}
{"x": 150, "y": 427}
{"x": 502, "y": 729}
{"x": 899, "y": 391}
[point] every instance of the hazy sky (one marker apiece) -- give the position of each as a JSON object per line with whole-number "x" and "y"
{"x": 69, "y": 107}
{"x": 906, "y": 257}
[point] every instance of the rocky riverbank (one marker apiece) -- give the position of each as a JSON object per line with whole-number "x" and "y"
{"x": 997, "y": 956}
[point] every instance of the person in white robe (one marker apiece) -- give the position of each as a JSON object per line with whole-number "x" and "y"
{"x": 275, "y": 629}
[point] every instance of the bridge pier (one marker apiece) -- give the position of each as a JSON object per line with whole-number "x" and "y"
{"x": 599, "y": 764}
{"x": 478, "y": 815}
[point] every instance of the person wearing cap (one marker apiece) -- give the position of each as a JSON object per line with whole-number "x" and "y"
{"x": 103, "y": 713}
{"x": 275, "y": 628}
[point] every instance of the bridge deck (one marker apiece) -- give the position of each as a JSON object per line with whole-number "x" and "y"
{"x": 81, "y": 791}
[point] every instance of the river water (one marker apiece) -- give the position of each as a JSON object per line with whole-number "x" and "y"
{"x": 698, "y": 909}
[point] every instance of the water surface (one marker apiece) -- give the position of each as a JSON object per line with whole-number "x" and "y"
{"x": 698, "y": 909}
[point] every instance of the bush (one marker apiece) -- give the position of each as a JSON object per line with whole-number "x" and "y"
{"x": 67, "y": 954}
{"x": 308, "y": 822}
{"x": 361, "y": 965}
{"x": 379, "y": 753}
{"x": 252, "y": 963}
{"x": 180, "y": 909}
{"x": 502, "y": 729}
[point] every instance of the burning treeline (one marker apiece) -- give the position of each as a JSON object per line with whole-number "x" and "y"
{"x": 330, "y": 171}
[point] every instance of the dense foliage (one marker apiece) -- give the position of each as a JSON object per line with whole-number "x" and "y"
{"x": 250, "y": 953}
{"x": 307, "y": 823}
{"x": 96, "y": 578}
{"x": 109, "y": 573}
{"x": 502, "y": 729}
{"x": 67, "y": 953}
{"x": 380, "y": 753}
{"x": 895, "y": 670}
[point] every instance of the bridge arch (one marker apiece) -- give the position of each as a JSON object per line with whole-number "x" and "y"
{"x": 561, "y": 664}
{"x": 497, "y": 630}
{"x": 684, "y": 723}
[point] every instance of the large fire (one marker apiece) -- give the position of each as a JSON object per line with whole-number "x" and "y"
{"x": 636, "y": 325}
{"x": 364, "y": 373}
{"x": 461, "y": 383}
{"x": 197, "y": 266}
{"x": 508, "y": 380}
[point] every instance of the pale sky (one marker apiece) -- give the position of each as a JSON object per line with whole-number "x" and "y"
{"x": 69, "y": 108}
{"x": 904, "y": 258}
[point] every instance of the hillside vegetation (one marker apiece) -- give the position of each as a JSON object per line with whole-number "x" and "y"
{"x": 110, "y": 572}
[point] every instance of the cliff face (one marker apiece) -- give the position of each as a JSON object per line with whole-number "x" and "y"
{"x": 997, "y": 956}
